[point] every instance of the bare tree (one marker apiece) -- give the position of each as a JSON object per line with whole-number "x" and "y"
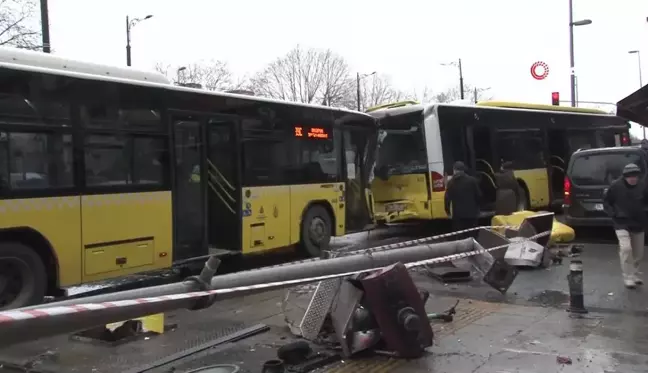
{"x": 308, "y": 76}
{"x": 213, "y": 75}
{"x": 15, "y": 27}
{"x": 470, "y": 93}
{"x": 378, "y": 90}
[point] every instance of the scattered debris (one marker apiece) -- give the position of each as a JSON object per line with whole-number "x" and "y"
{"x": 565, "y": 360}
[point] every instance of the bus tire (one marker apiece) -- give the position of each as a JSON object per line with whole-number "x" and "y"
{"x": 523, "y": 203}
{"x": 315, "y": 231}
{"x": 23, "y": 278}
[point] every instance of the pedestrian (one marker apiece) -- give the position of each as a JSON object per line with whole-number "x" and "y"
{"x": 508, "y": 194}
{"x": 462, "y": 199}
{"x": 625, "y": 201}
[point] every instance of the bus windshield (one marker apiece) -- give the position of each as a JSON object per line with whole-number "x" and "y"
{"x": 402, "y": 146}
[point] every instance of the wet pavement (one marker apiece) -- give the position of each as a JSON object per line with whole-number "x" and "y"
{"x": 534, "y": 339}
{"x": 603, "y": 288}
{"x": 525, "y": 330}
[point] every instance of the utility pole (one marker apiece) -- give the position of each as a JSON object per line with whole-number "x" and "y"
{"x": 583, "y": 22}
{"x": 128, "y": 46}
{"x": 461, "y": 81}
{"x": 45, "y": 26}
{"x": 358, "y": 90}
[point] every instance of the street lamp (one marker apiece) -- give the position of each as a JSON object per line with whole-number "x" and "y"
{"x": 639, "y": 60}
{"x": 358, "y": 77}
{"x": 130, "y": 23}
{"x": 583, "y": 22}
{"x": 461, "y": 80}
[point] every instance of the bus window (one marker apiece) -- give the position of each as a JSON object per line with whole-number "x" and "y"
{"x": 525, "y": 149}
{"x": 402, "y": 150}
{"x": 36, "y": 160}
{"x": 452, "y": 143}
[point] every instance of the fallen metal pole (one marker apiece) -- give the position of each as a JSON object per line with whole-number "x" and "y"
{"x": 363, "y": 260}
{"x": 57, "y": 320}
{"x": 25, "y": 325}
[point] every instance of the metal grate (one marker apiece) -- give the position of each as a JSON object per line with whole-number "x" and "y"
{"x": 318, "y": 308}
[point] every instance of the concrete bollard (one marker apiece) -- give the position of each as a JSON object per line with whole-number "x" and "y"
{"x": 575, "y": 280}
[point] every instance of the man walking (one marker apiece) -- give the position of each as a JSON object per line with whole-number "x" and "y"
{"x": 462, "y": 199}
{"x": 625, "y": 202}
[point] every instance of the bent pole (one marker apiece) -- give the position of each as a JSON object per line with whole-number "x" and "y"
{"x": 289, "y": 271}
{"x": 53, "y": 318}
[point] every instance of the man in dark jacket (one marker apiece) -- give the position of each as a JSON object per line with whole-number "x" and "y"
{"x": 625, "y": 201}
{"x": 462, "y": 199}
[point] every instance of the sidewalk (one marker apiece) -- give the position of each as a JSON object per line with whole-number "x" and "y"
{"x": 529, "y": 339}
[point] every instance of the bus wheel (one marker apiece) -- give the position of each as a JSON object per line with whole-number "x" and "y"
{"x": 315, "y": 231}
{"x": 23, "y": 280}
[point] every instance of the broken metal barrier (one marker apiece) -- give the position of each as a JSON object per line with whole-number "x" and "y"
{"x": 492, "y": 269}
{"x": 29, "y": 324}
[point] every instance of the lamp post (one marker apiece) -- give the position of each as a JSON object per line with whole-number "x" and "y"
{"x": 582, "y": 22}
{"x": 130, "y": 23}
{"x": 639, "y": 61}
{"x": 461, "y": 79}
{"x": 45, "y": 26}
{"x": 358, "y": 93}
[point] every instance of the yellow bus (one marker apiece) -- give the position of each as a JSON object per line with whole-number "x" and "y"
{"x": 106, "y": 172}
{"x": 418, "y": 145}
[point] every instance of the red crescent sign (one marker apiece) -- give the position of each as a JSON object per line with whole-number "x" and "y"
{"x": 539, "y": 70}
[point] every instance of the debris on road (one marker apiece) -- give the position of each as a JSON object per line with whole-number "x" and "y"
{"x": 564, "y": 360}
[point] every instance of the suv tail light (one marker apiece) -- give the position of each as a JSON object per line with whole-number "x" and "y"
{"x": 438, "y": 182}
{"x": 567, "y": 189}
{"x": 625, "y": 140}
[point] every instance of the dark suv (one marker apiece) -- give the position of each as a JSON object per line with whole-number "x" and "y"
{"x": 589, "y": 174}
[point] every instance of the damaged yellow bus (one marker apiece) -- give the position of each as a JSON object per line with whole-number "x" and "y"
{"x": 107, "y": 172}
{"x": 418, "y": 144}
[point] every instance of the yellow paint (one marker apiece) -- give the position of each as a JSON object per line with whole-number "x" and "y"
{"x": 521, "y": 105}
{"x": 105, "y": 259}
{"x": 116, "y": 217}
{"x": 411, "y": 190}
{"x": 150, "y": 323}
{"x": 560, "y": 233}
{"x": 537, "y": 182}
{"x": 276, "y": 213}
{"x": 104, "y": 218}
{"x": 58, "y": 220}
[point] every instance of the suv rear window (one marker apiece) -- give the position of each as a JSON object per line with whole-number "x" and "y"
{"x": 602, "y": 168}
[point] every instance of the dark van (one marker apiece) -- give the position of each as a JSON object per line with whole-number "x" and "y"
{"x": 589, "y": 174}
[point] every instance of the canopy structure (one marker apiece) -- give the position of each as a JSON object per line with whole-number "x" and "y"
{"x": 635, "y": 107}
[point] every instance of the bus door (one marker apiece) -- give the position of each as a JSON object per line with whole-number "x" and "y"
{"x": 190, "y": 218}
{"x": 356, "y": 146}
{"x": 223, "y": 183}
{"x": 558, "y": 148}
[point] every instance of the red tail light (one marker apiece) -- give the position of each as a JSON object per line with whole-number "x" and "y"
{"x": 567, "y": 189}
{"x": 625, "y": 140}
{"x": 438, "y": 182}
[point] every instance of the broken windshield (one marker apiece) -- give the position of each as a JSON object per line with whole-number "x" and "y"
{"x": 402, "y": 145}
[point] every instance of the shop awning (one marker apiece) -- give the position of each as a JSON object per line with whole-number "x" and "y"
{"x": 635, "y": 107}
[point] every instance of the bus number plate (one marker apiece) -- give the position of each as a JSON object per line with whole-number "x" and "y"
{"x": 395, "y": 207}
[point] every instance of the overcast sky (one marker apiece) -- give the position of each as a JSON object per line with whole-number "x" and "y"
{"x": 497, "y": 40}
